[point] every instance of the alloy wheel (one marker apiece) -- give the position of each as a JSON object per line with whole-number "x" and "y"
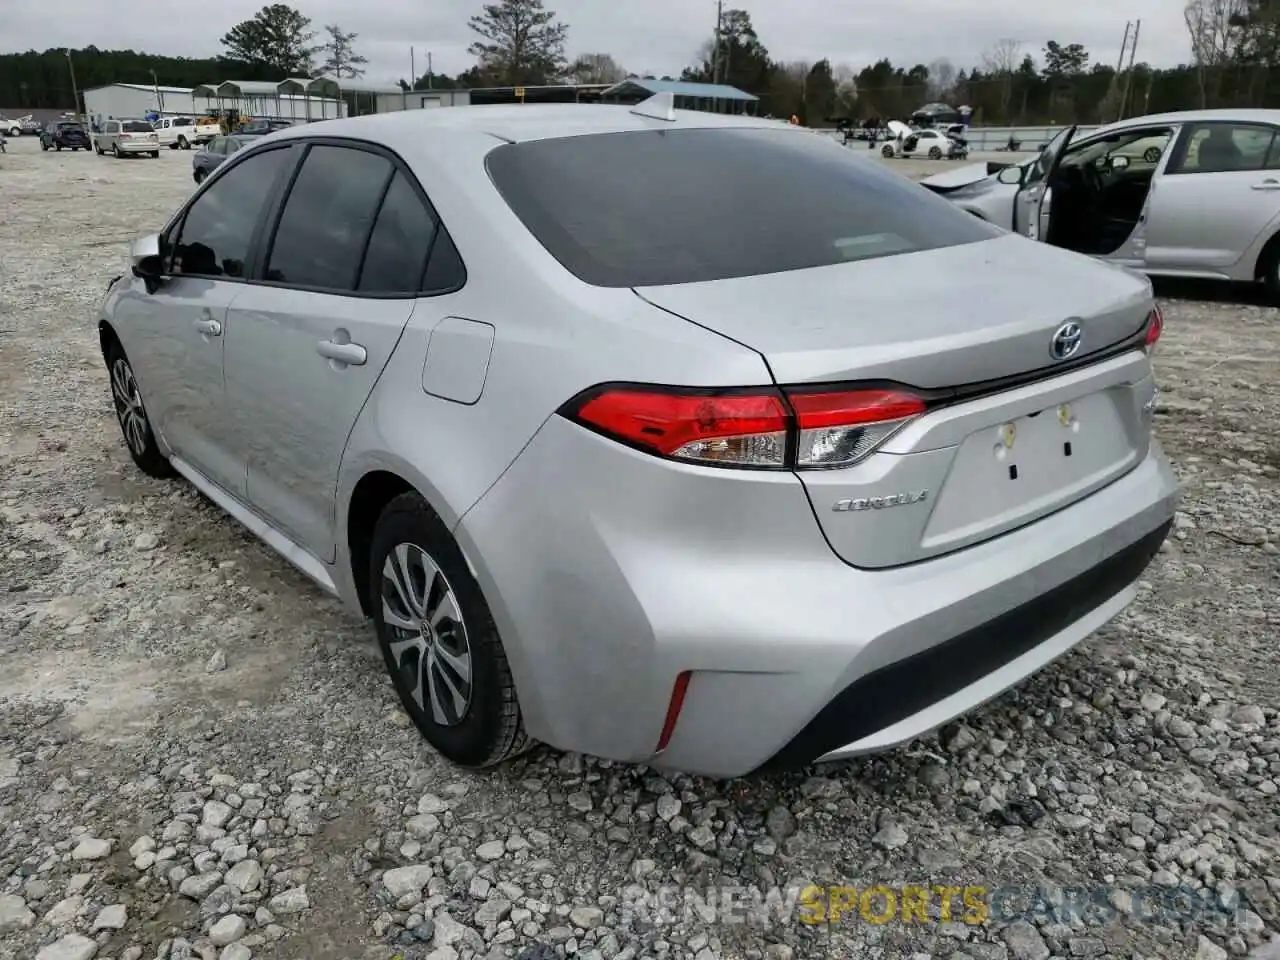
{"x": 129, "y": 409}
{"x": 430, "y": 645}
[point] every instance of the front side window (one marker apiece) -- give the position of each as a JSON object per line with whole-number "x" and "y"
{"x": 325, "y": 225}
{"x": 653, "y": 207}
{"x": 1226, "y": 148}
{"x": 216, "y": 234}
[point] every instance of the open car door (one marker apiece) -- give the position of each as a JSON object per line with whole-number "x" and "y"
{"x": 1028, "y": 203}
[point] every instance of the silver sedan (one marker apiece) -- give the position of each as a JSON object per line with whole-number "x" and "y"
{"x": 1192, "y": 194}
{"x": 596, "y": 413}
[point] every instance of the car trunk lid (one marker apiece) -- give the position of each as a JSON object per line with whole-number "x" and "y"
{"x": 1012, "y": 433}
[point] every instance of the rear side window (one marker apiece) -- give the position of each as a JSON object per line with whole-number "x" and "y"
{"x": 655, "y": 207}
{"x": 399, "y": 244}
{"x": 1226, "y": 148}
{"x": 325, "y": 225}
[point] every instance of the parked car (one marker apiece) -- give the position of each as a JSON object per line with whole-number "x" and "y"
{"x": 68, "y": 134}
{"x": 183, "y": 133}
{"x": 261, "y": 126}
{"x": 603, "y": 479}
{"x": 1191, "y": 194}
{"x": 933, "y": 144}
{"x": 127, "y": 137}
{"x": 23, "y": 126}
{"x": 207, "y": 160}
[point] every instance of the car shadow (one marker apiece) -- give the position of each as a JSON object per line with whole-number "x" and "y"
{"x": 1212, "y": 291}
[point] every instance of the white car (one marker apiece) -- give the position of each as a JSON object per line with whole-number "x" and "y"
{"x": 1190, "y": 194}
{"x": 182, "y": 133}
{"x": 933, "y": 144}
{"x": 124, "y": 138}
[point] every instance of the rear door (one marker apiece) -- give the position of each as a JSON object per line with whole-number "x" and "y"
{"x": 340, "y": 279}
{"x": 1229, "y": 168}
{"x": 1029, "y": 201}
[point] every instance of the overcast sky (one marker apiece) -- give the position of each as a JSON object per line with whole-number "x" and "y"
{"x": 654, "y": 36}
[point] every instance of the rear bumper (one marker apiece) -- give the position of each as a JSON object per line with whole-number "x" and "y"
{"x": 138, "y": 147}
{"x": 609, "y": 578}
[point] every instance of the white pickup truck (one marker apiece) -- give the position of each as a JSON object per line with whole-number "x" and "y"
{"x": 182, "y": 133}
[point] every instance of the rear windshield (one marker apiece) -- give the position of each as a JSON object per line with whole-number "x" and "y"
{"x": 73, "y": 127}
{"x": 646, "y": 208}
{"x": 182, "y": 122}
{"x": 138, "y": 126}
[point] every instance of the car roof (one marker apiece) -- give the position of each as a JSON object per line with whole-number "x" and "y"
{"x": 514, "y": 124}
{"x": 1198, "y": 116}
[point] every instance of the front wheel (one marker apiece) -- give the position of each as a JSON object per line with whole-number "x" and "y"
{"x": 887, "y": 153}
{"x": 438, "y": 639}
{"x": 935, "y": 153}
{"x": 155, "y": 154}
{"x": 183, "y": 143}
{"x": 132, "y": 416}
{"x": 198, "y": 175}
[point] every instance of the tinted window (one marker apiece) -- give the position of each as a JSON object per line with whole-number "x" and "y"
{"x": 1224, "y": 147}
{"x": 218, "y": 228}
{"x": 138, "y": 126}
{"x": 680, "y": 206}
{"x": 445, "y": 271}
{"x": 322, "y": 233}
{"x": 217, "y": 145}
{"x": 399, "y": 243}
{"x": 183, "y": 122}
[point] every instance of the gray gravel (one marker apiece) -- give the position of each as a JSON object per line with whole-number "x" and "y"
{"x": 200, "y": 755}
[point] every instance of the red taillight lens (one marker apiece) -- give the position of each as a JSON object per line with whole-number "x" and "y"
{"x": 797, "y": 428}
{"x": 734, "y": 429}
{"x": 837, "y": 429}
{"x": 1155, "y": 327}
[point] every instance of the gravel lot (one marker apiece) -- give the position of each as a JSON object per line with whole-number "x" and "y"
{"x": 200, "y": 755}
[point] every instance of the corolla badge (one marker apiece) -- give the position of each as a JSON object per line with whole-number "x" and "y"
{"x": 1066, "y": 340}
{"x": 879, "y": 503}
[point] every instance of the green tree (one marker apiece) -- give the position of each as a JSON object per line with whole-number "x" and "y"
{"x": 741, "y": 60}
{"x": 819, "y": 93}
{"x": 340, "y": 59}
{"x": 596, "y": 68}
{"x": 521, "y": 43}
{"x": 1064, "y": 61}
{"x": 277, "y": 36}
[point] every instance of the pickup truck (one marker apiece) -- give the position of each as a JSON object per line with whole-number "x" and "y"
{"x": 182, "y": 133}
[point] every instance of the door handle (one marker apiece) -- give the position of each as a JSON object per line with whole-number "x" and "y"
{"x": 209, "y": 327}
{"x": 349, "y": 353}
{"x": 1267, "y": 184}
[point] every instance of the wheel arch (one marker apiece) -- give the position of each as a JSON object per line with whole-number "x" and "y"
{"x": 1270, "y": 250}
{"x": 107, "y": 337}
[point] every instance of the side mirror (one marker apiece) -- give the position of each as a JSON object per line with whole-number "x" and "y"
{"x": 1119, "y": 163}
{"x": 146, "y": 262}
{"x": 1010, "y": 176}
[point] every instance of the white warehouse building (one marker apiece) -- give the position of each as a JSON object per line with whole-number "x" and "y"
{"x": 137, "y": 100}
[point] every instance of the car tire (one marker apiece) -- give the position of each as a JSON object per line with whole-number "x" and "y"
{"x": 115, "y": 149}
{"x": 1151, "y": 155}
{"x": 155, "y": 154}
{"x": 454, "y": 680}
{"x": 1269, "y": 269}
{"x": 935, "y": 153}
{"x": 198, "y": 175}
{"x": 44, "y": 146}
{"x": 887, "y": 152}
{"x": 183, "y": 143}
{"x": 135, "y": 425}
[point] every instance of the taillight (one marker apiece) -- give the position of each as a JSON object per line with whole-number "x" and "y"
{"x": 838, "y": 428}
{"x": 741, "y": 429}
{"x": 762, "y": 428}
{"x": 1155, "y": 327}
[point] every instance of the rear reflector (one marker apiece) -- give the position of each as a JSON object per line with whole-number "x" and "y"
{"x": 1155, "y": 327}
{"x": 673, "y": 710}
{"x": 759, "y": 428}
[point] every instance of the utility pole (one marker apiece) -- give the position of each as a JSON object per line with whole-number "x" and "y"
{"x": 1128, "y": 79}
{"x": 715, "y": 56}
{"x": 75, "y": 94}
{"x": 155, "y": 83}
{"x": 430, "y": 72}
{"x": 1113, "y": 91}
{"x": 413, "y": 71}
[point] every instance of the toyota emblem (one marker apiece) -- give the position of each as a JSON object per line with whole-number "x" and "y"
{"x": 1066, "y": 341}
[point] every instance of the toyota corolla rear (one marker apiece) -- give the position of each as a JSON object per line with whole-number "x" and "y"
{"x": 942, "y": 478}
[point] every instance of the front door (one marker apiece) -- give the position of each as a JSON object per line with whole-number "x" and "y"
{"x": 1030, "y": 198}
{"x": 307, "y": 345}
{"x": 1229, "y": 168}
{"x": 181, "y": 329}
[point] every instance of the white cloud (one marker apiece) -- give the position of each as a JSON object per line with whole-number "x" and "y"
{"x": 659, "y": 36}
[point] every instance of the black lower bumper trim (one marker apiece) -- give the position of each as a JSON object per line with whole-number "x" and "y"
{"x": 900, "y": 689}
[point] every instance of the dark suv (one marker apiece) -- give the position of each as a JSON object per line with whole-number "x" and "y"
{"x": 260, "y": 127}
{"x": 64, "y": 133}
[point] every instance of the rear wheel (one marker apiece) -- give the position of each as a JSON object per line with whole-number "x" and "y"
{"x": 439, "y": 640}
{"x": 1269, "y": 268}
{"x": 132, "y": 416}
{"x": 183, "y": 143}
{"x": 155, "y": 154}
{"x": 935, "y": 153}
{"x": 115, "y": 149}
